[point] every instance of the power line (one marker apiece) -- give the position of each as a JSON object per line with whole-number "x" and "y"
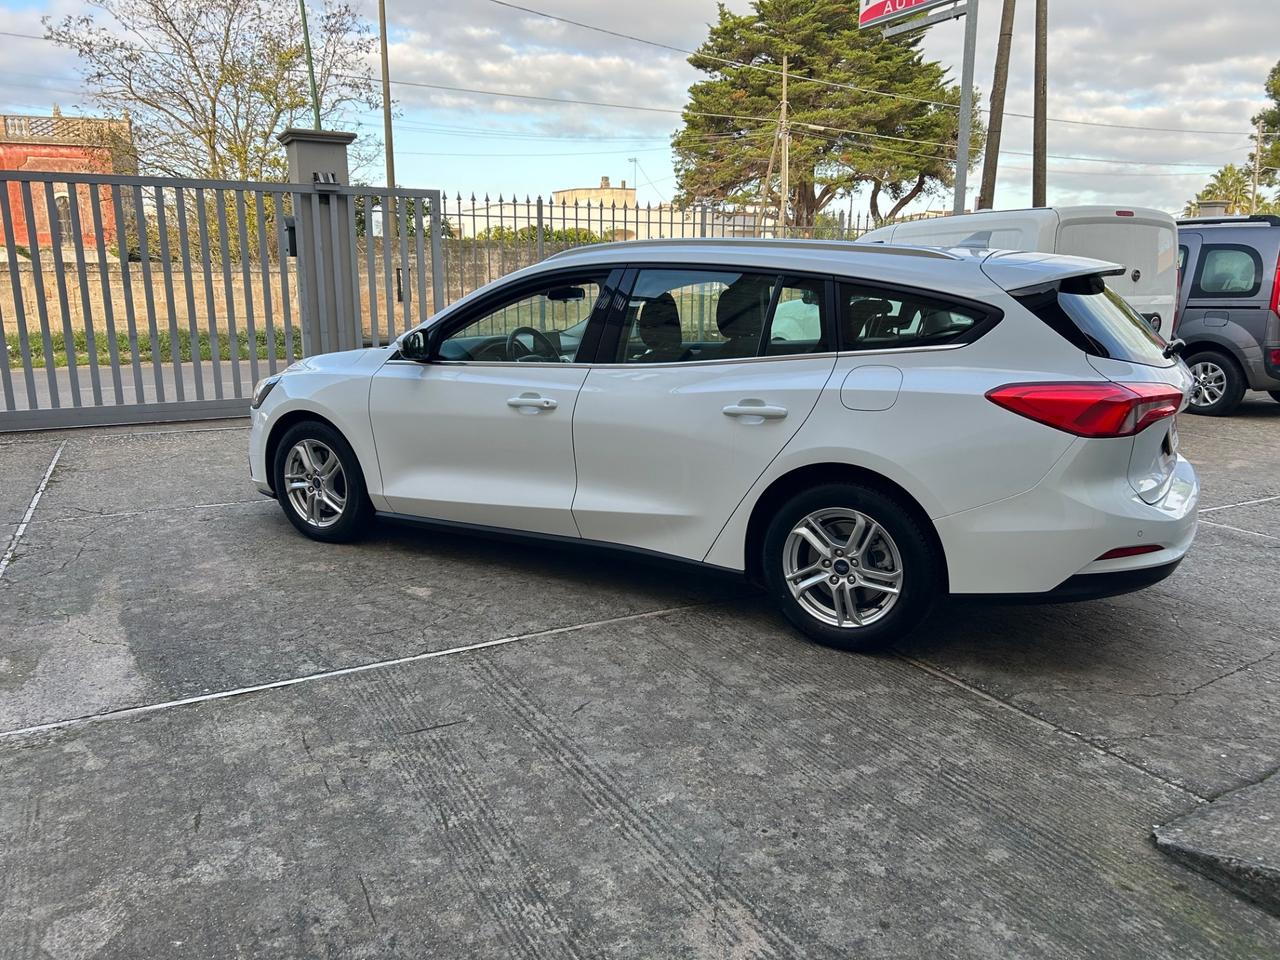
{"x": 737, "y": 117}
{"x": 833, "y": 83}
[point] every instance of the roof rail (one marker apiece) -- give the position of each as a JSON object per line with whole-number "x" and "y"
{"x": 1268, "y": 218}
{"x": 773, "y": 243}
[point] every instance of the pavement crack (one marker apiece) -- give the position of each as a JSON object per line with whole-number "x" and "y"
{"x": 1080, "y": 737}
{"x": 436, "y": 726}
{"x": 368, "y": 903}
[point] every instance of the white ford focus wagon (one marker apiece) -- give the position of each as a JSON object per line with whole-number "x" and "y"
{"x": 861, "y": 430}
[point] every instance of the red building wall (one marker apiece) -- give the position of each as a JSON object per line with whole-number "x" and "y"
{"x": 56, "y": 158}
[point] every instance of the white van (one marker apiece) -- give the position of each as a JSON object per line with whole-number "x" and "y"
{"x": 1144, "y": 241}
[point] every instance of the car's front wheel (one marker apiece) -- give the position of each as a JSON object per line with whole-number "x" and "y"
{"x": 319, "y": 484}
{"x": 851, "y": 566}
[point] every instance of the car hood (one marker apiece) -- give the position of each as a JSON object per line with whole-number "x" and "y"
{"x": 346, "y": 361}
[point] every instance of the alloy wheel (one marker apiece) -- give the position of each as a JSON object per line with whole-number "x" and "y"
{"x": 842, "y": 567}
{"x": 315, "y": 483}
{"x": 1210, "y": 383}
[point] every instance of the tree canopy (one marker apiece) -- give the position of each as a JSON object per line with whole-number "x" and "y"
{"x": 722, "y": 151}
{"x": 208, "y": 84}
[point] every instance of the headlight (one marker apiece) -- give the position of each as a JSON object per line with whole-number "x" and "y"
{"x": 261, "y": 390}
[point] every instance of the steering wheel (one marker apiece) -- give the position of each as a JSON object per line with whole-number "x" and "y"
{"x": 517, "y": 351}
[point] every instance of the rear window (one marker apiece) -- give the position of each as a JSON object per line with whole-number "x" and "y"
{"x": 1096, "y": 319}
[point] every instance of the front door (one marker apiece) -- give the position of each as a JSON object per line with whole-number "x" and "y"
{"x": 483, "y": 434}
{"x": 711, "y": 373}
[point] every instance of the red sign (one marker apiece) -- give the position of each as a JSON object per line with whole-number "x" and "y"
{"x": 877, "y": 12}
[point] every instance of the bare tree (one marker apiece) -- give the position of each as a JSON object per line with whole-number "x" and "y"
{"x": 208, "y": 84}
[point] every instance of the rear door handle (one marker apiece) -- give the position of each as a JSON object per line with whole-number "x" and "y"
{"x": 754, "y": 411}
{"x": 532, "y": 401}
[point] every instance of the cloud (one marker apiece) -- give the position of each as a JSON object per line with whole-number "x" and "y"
{"x": 1154, "y": 63}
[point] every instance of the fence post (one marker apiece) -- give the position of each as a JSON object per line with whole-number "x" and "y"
{"x": 702, "y": 221}
{"x": 318, "y": 166}
{"x": 541, "y": 232}
{"x": 437, "y": 251}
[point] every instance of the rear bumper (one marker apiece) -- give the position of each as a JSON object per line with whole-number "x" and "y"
{"x": 1041, "y": 541}
{"x": 1089, "y": 586}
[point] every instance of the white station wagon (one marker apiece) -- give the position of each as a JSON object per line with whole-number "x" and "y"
{"x": 862, "y": 430}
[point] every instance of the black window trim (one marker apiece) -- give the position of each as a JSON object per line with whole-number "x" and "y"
{"x": 1202, "y": 258}
{"x": 989, "y": 314}
{"x": 615, "y": 322}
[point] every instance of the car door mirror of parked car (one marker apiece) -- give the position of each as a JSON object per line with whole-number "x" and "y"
{"x": 416, "y": 345}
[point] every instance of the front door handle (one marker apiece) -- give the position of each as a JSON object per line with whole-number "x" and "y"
{"x": 754, "y": 411}
{"x": 532, "y": 401}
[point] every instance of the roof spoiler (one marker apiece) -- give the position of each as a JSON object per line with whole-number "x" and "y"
{"x": 1014, "y": 272}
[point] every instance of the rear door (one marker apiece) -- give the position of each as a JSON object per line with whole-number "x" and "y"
{"x": 1145, "y": 246}
{"x": 1227, "y": 294}
{"x": 701, "y": 382}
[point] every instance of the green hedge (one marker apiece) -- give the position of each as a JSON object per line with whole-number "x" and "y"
{"x": 163, "y": 341}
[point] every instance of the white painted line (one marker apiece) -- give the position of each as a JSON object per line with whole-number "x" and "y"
{"x": 127, "y": 712}
{"x": 1242, "y": 503}
{"x": 1252, "y": 533}
{"x": 31, "y": 508}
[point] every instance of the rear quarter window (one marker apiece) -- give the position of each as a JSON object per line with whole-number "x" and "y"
{"x": 1096, "y": 319}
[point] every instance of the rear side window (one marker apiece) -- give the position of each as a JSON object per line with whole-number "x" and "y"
{"x": 690, "y": 315}
{"x": 1096, "y": 319}
{"x": 1228, "y": 271}
{"x": 872, "y": 318}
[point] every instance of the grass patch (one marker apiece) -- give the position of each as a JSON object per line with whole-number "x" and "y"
{"x": 202, "y": 348}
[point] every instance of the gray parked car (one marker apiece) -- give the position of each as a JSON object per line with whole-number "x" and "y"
{"x": 1229, "y": 308}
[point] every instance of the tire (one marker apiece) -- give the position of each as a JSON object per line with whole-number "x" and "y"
{"x": 314, "y": 510}
{"x": 901, "y": 555}
{"x": 1219, "y": 384}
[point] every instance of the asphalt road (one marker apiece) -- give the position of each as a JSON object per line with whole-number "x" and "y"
{"x": 633, "y": 763}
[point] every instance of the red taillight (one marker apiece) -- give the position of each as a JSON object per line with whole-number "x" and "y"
{"x": 1275, "y": 358}
{"x": 1124, "y": 213}
{"x": 1090, "y": 409}
{"x": 1275, "y": 290}
{"x": 1120, "y": 552}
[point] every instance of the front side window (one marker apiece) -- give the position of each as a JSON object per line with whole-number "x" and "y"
{"x": 876, "y": 319}
{"x": 682, "y": 316}
{"x": 1228, "y": 271}
{"x": 544, "y": 325}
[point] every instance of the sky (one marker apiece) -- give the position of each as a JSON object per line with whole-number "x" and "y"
{"x": 1165, "y": 66}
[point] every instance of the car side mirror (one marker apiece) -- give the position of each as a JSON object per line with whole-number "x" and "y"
{"x": 416, "y": 345}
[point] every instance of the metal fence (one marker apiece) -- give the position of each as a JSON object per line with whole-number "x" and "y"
{"x": 133, "y": 298}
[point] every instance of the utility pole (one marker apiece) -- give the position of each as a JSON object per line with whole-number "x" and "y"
{"x": 990, "y": 164}
{"x": 311, "y": 67}
{"x": 1040, "y": 144}
{"x": 1257, "y": 168}
{"x": 388, "y": 215}
{"x": 784, "y": 131}
{"x": 966, "y": 104}
{"x": 765, "y": 185}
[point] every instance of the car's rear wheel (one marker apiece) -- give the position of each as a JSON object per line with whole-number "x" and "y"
{"x": 850, "y": 566}
{"x": 1218, "y": 384}
{"x": 319, "y": 484}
